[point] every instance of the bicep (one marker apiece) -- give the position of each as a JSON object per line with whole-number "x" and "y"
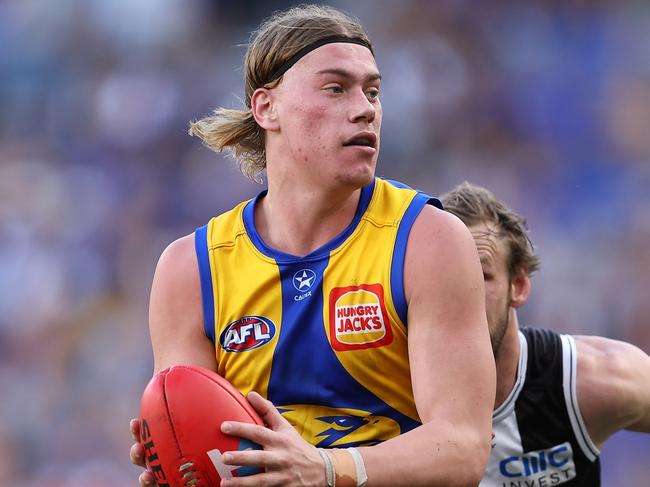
{"x": 613, "y": 386}
{"x": 452, "y": 365}
{"x": 175, "y": 310}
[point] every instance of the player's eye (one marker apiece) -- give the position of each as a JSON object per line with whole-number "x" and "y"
{"x": 334, "y": 89}
{"x": 372, "y": 94}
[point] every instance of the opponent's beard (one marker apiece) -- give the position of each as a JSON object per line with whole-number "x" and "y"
{"x": 499, "y": 331}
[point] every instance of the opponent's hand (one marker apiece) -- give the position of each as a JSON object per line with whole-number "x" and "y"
{"x": 146, "y": 478}
{"x": 288, "y": 460}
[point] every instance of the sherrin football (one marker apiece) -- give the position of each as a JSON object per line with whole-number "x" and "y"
{"x": 181, "y": 412}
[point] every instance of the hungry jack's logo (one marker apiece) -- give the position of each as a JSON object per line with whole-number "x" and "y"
{"x": 358, "y": 318}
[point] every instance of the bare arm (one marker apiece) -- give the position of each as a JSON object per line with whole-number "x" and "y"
{"x": 175, "y": 310}
{"x": 452, "y": 364}
{"x": 613, "y": 387}
{"x": 175, "y": 324}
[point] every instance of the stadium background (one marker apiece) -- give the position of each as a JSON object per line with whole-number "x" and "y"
{"x": 546, "y": 103}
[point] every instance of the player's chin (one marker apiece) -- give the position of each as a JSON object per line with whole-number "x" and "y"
{"x": 358, "y": 171}
{"x": 357, "y": 175}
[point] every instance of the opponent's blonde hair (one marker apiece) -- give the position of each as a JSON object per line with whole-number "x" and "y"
{"x": 276, "y": 40}
{"x": 474, "y": 205}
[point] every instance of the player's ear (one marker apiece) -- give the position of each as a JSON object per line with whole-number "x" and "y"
{"x": 263, "y": 109}
{"x": 519, "y": 287}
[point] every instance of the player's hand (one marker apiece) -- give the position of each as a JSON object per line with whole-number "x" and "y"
{"x": 288, "y": 460}
{"x": 146, "y": 478}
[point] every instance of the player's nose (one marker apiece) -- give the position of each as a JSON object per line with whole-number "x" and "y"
{"x": 361, "y": 108}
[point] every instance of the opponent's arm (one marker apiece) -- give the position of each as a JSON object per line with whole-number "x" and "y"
{"x": 613, "y": 387}
{"x": 452, "y": 365}
{"x": 175, "y": 323}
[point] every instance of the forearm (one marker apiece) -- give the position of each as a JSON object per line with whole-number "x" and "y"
{"x": 434, "y": 454}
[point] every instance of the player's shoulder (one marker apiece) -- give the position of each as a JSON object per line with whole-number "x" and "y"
{"x": 606, "y": 355}
{"x": 441, "y": 252}
{"x": 609, "y": 367}
{"x": 611, "y": 384}
{"x": 179, "y": 253}
{"x": 177, "y": 268}
{"x": 441, "y": 230}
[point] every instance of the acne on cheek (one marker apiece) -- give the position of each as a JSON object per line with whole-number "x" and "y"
{"x": 315, "y": 116}
{"x": 308, "y": 121}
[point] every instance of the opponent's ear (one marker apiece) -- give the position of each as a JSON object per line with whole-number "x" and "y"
{"x": 519, "y": 288}
{"x": 263, "y": 109}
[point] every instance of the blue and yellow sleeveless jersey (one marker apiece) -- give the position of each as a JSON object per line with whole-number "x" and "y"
{"x": 324, "y": 337}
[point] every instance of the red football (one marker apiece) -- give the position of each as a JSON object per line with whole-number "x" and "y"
{"x": 181, "y": 413}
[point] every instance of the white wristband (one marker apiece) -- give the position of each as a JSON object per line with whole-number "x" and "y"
{"x": 362, "y": 477}
{"x": 330, "y": 474}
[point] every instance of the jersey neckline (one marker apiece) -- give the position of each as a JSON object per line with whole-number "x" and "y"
{"x": 248, "y": 216}
{"x": 508, "y": 405}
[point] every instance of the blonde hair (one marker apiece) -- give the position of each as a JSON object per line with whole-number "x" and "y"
{"x": 276, "y": 40}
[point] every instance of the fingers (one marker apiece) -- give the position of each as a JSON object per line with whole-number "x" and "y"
{"x": 268, "y": 479}
{"x": 137, "y": 454}
{"x": 256, "y": 458}
{"x": 147, "y": 479}
{"x": 267, "y": 411}
{"x": 134, "y": 424}
{"x": 257, "y": 434}
{"x": 261, "y": 405}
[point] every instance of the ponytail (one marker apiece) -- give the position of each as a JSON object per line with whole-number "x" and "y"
{"x": 237, "y": 131}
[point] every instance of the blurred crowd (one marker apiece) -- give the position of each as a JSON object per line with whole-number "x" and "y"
{"x": 546, "y": 103}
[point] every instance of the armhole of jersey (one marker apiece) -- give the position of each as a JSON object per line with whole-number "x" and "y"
{"x": 203, "y": 257}
{"x": 569, "y": 369}
{"x": 399, "y": 251}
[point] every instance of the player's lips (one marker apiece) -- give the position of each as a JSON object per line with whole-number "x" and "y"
{"x": 362, "y": 139}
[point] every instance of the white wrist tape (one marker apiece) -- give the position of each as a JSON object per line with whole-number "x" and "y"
{"x": 330, "y": 473}
{"x": 362, "y": 477}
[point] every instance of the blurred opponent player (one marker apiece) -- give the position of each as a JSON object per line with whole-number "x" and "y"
{"x": 558, "y": 397}
{"x": 350, "y": 303}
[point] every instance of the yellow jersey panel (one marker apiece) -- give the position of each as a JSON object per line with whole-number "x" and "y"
{"x": 254, "y": 333}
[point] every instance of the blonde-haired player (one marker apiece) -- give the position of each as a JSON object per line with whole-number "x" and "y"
{"x": 353, "y": 306}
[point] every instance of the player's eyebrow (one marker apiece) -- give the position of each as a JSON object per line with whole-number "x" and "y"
{"x": 346, "y": 74}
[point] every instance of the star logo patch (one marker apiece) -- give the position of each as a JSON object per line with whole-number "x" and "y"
{"x": 304, "y": 279}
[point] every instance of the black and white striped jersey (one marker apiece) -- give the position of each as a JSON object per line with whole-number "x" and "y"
{"x": 540, "y": 439}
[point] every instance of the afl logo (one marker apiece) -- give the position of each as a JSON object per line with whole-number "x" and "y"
{"x": 247, "y": 333}
{"x": 304, "y": 279}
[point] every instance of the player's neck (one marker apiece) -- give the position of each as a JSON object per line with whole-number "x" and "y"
{"x": 507, "y": 360}
{"x": 298, "y": 220}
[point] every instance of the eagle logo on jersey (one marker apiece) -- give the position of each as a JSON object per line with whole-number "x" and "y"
{"x": 358, "y": 318}
{"x": 341, "y": 427}
{"x": 247, "y": 333}
{"x": 327, "y": 427}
